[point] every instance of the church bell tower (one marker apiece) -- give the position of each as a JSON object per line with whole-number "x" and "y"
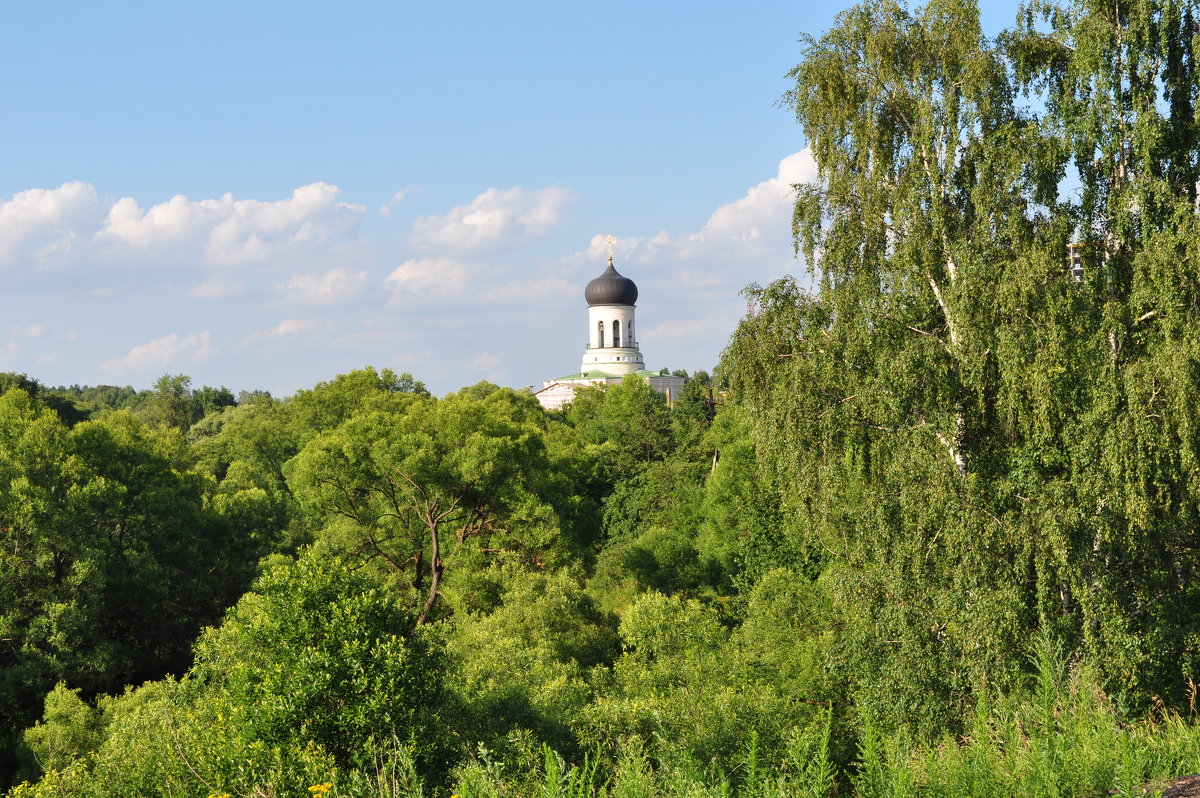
{"x": 612, "y": 342}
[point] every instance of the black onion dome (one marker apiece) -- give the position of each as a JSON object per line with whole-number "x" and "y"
{"x": 611, "y": 288}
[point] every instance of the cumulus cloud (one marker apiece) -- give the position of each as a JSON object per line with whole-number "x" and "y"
{"x": 43, "y": 226}
{"x": 757, "y": 223}
{"x": 220, "y": 287}
{"x": 487, "y": 363}
{"x": 336, "y": 285}
{"x": 286, "y": 328}
{"x": 164, "y": 353}
{"x": 717, "y": 323}
{"x": 752, "y": 228}
{"x": 30, "y": 331}
{"x": 494, "y": 219}
{"x": 233, "y": 232}
{"x": 423, "y": 279}
{"x": 529, "y": 291}
{"x": 70, "y": 226}
{"x": 385, "y": 210}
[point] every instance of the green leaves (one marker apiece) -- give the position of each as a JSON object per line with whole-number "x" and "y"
{"x": 416, "y": 488}
{"x": 110, "y": 559}
{"x": 319, "y": 656}
{"x": 976, "y": 445}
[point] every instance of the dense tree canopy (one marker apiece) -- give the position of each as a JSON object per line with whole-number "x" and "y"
{"x": 977, "y": 444}
{"x": 930, "y": 528}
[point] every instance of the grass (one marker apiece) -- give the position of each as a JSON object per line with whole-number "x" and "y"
{"x": 1065, "y": 739}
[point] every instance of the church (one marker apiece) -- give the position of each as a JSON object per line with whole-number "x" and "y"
{"x": 612, "y": 351}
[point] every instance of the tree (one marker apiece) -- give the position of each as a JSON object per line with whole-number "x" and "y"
{"x": 522, "y": 665}
{"x": 422, "y": 484}
{"x": 328, "y": 404}
{"x": 110, "y": 558}
{"x": 65, "y": 406}
{"x": 631, "y": 419}
{"x": 320, "y": 656}
{"x": 171, "y": 402}
{"x": 313, "y": 677}
{"x": 1121, "y": 90}
{"x": 977, "y": 446}
{"x": 245, "y": 448}
{"x": 69, "y": 730}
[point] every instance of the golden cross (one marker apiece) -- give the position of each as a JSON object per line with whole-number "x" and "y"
{"x": 610, "y": 241}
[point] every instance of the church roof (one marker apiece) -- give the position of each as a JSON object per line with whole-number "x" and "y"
{"x": 611, "y": 288}
{"x": 596, "y": 374}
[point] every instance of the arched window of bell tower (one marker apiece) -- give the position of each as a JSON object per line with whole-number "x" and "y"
{"x": 600, "y": 330}
{"x": 629, "y": 334}
{"x": 616, "y": 333}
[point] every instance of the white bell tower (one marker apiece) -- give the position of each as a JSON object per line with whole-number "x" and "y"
{"x": 612, "y": 338}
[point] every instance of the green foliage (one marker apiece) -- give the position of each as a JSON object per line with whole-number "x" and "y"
{"x": 69, "y": 730}
{"x": 111, "y": 559}
{"x": 650, "y": 523}
{"x": 68, "y": 409}
{"x": 702, "y": 691}
{"x": 310, "y": 679}
{"x": 328, "y": 404}
{"x": 244, "y": 448}
{"x": 523, "y": 665}
{"x": 826, "y": 578}
{"x": 742, "y": 532}
{"x": 630, "y": 421}
{"x": 693, "y": 411}
{"x": 173, "y": 403}
{"x": 431, "y": 484}
{"x": 976, "y": 446}
{"x": 318, "y": 656}
{"x": 91, "y": 400}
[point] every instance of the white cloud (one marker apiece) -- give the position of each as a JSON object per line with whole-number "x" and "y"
{"x": 163, "y": 353}
{"x": 232, "y": 232}
{"x": 42, "y": 225}
{"x": 489, "y": 365}
{"x": 70, "y": 226}
{"x": 484, "y": 361}
{"x": 758, "y": 223}
{"x": 753, "y": 228}
{"x": 385, "y": 210}
{"x": 336, "y": 285}
{"x": 288, "y": 327}
{"x": 717, "y": 323}
{"x": 31, "y": 331}
{"x": 220, "y": 287}
{"x": 429, "y": 278}
{"x": 525, "y": 292}
{"x": 492, "y": 220}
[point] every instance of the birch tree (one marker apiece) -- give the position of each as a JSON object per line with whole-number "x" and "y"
{"x": 977, "y": 447}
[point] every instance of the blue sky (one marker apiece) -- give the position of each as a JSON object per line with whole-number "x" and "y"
{"x": 266, "y": 195}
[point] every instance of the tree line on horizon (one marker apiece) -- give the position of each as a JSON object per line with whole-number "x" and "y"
{"x": 931, "y": 528}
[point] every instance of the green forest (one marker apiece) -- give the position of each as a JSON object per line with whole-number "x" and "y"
{"x": 930, "y": 528}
